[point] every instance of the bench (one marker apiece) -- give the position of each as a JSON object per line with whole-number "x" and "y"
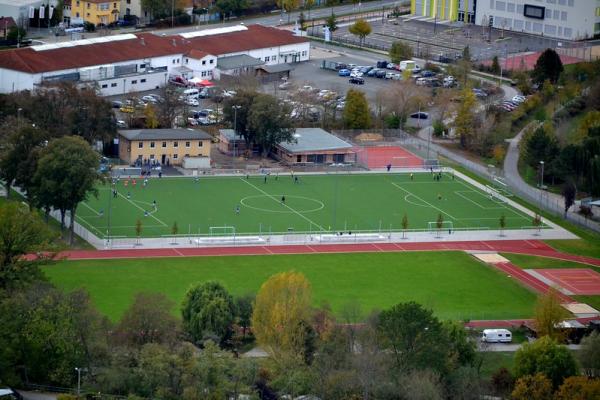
{"x": 230, "y": 240}
{"x": 355, "y": 237}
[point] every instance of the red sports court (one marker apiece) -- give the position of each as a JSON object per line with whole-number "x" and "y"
{"x": 576, "y": 280}
{"x": 382, "y": 156}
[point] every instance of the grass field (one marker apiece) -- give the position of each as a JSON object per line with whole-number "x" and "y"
{"x": 315, "y": 203}
{"x": 533, "y": 262}
{"x": 453, "y": 284}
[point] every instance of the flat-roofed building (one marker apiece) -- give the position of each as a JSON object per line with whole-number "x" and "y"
{"x": 315, "y": 146}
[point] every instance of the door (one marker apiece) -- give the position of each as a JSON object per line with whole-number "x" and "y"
{"x": 163, "y": 159}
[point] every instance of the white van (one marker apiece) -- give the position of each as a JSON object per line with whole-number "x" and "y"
{"x": 404, "y": 65}
{"x": 496, "y": 336}
{"x": 191, "y": 93}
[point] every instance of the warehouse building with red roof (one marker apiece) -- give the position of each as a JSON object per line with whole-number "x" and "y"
{"x": 126, "y": 63}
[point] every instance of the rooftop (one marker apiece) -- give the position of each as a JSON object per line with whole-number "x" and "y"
{"x": 229, "y": 134}
{"x": 106, "y": 50}
{"x": 275, "y": 68}
{"x": 239, "y": 61}
{"x": 314, "y": 139}
{"x": 164, "y": 134}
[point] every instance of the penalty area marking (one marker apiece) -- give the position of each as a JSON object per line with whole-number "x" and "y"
{"x": 320, "y": 206}
{"x": 420, "y": 199}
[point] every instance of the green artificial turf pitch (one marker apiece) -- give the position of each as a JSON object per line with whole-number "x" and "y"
{"x": 453, "y": 284}
{"x": 349, "y": 202}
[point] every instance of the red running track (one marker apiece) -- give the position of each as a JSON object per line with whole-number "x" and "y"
{"x": 535, "y": 284}
{"x": 510, "y": 246}
{"x": 581, "y": 281}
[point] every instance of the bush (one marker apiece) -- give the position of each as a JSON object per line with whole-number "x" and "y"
{"x": 89, "y": 27}
{"x": 438, "y": 128}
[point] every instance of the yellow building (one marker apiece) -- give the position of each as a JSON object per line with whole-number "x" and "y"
{"x": 95, "y": 11}
{"x": 163, "y": 146}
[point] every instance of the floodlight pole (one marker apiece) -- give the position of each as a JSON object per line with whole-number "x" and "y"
{"x": 541, "y": 184}
{"x": 235, "y": 108}
{"x": 79, "y": 370}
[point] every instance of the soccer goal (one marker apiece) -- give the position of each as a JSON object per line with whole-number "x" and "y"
{"x": 501, "y": 187}
{"x": 432, "y": 163}
{"x": 494, "y": 194}
{"x": 221, "y": 230}
{"x": 403, "y": 162}
{"x": 446, "y": 226}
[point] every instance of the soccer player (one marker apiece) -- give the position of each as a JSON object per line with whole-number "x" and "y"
{"x": 128, "y": 195}
{"x": 237, "y": 210}
{"x": 154, "y": 204}
{"x": 265, "y": 178}
{"x": 295, "y": 179}
{"x": 283, "y": 199}
{"x": 389, "y": 167}
{"x": 439, "y": 196}
{"x": 412, "y": 177}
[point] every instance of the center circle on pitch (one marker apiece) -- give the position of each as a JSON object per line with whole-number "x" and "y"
{"x": 272, "y": 203}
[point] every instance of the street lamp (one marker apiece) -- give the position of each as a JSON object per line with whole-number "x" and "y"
{"x": 79, "y": 371}
{"x": 235, "y": 108}
{"x": 19, "y": 117}
{"x": 541, "y": 182}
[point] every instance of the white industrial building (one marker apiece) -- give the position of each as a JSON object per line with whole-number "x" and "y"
{"x": 563, "y": 19}
{"x": 137, "y": 62}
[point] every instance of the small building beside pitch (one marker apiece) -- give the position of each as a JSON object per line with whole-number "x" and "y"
{"x": 315, "y": 146}
{"x": 143, "y": 147}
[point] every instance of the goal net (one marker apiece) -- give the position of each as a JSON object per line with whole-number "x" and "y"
{"x": 501, "y": 187}
{"x": 432, "y": 163}
{"x": 446, "y": 225}
{"x": 221, "y": 230}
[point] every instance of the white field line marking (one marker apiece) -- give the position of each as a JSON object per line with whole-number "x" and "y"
{"x": 82, "y": 219}
{"x": 285, "y": 205}
{"x": 430, "y": 205}
{"x": 505, "y": 206}
{"x": 140, "y": 208}
{"x": 93, "y": 209}
{"x": 459, "y": 193}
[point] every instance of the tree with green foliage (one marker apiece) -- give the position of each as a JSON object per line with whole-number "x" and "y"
{"x": 415, "y": 337}
{"x": 495, "y": 68}
{"x": 400, "y": 51}
{"x": 147, "y": 320}
{"x": 243, "y": 311}
{"x": 331, "y": 23}
{"x": 549, "y": 313}
{"x": 404, "y": 225}
{"x": 21, "y": 232}
{"x": 464, "y": 123}
{"x": 356, "y": 110}
{"x": 532, "y": 387}
{"x": 502, "y": 224}
{"x": 236, "y": 110}
{"x": 503, "y": 382}
{"x": 16, "y": 33}
{"x": 545, "y": 357}
{"x": 67, "y": 174}
{"x": 270, "y": 121}
{"x": 227, "y": 8}
{"x": 302, "y": 21}
{"x": 439, "y": 222}
{"x": 360, "y": 28}
{"x": 208, "y": 312}
{"x": 569, "y": 192}
{"x": 541, "y": 145}
{"x": 547, "y": 67}
{"x": 138, "y": 229}
{"x": 589, "y": 355}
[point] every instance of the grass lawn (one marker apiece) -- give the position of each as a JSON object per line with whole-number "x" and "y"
{"x": 593, "y": 301}
{"x": 492, "y": 361}
{"x": 533, "y": 262}
{"x": 315, "y": 203}
{"x": 453, "y": 284}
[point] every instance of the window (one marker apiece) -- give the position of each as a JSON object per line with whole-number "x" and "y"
{"x": 152, "y": 145}
{"x": 537, "y": 27}
{"x": 175, "y": 144}
{"x": 152, "y": 156}
{"x": 551, "y": 1}
{"x": 298, "y": 158}
{"x": 200, "y": 143}
{"x": 187, "y": 144}
{"x": 550, "y": 29}
{"x": 203, "y": 62}
{"x": 510, "y": 7}
{"x": 175, "y": 156}
{"x": 568, "y": 32}
{"x": 77, "y": 15}
{"x": 500, "y": 5}
{"x": 134, "y": 82}
{"x": 104, "y": 86}
{"x": 140, "y": 145}
{"x": 518, "y": 24}
{"x": 113, "y": 85}
{"x": 563, "y": 15}
{"x": 548, "y": 13}
{"x": 114, "y": 5}
{"x": 173, "y": 61}
{"x": 560, "y": 32}
{"x": 562, "y": 2}
{"x": 492, "y": 4}
{"x": 571, "y": 3}
{"x": 267, "y": 58}
{"x": 274, "y": 58}
{"x": 128, "y": 1}
{"x": 187, "y": 60}
{"x": 527, "y": 25}
{"x": 556, "y": 14}
{"x": 142, "y": 66}
{"x": 164, "y": 144}
{"x": 520, "y": 9}
{"x": 142, "y": 80}
{"x": 186, "y": 155}
{"x": 88, "y": 5}
{"x": 77, "y": 3}
{"x": 203, "y": 73}
{"x": 596, "y": 27}
{"x": 88, "y": 14}
{"x": 211, "y": 61}
{"x": 597, "y": 11}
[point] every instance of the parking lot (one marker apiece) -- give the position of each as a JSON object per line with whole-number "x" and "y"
{"x": 430, "y": 40}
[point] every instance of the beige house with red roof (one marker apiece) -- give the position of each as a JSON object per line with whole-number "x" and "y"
{"x": 125, "y": 63}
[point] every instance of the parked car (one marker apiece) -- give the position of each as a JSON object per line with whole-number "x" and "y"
{"x": 149, "y": 99}
{"x": 519, "y": 99}
{"x": 344, "y": 72}
{"x": 391, "y": 66}
{"x": 366, "y": 69}
{"x": 127, "y": 109}
{"x": 356, "y": 74}
{"x": 427, "y": 74}
{"x": 382, "y": 64}
{"x": 421, "y": 81}
{"x": 117, "y": 104}
{"x": 373, "y": 72}
{"x": 380, "y": 74}
{"x": 419, "y": 115}
{"x": 357, "y": 81}
{"x": 390, "y": 75}
{"x": 192, "y": 102}
{"x": 479, "y": 92}
{"x": 121, "y": 124}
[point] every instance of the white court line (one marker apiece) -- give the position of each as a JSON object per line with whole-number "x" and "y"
{"x": 140, "y": 208}
{"x": 93, "y": 210}
{"x": 430, "y": 205}
{"x": 285, "y": 205}
{"x": 459, "y": 193}
{"x": 82, "y": 219}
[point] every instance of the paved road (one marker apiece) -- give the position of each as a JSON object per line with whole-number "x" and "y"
{"x": 271, "y": 19}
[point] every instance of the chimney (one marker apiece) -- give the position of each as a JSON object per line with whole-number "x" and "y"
{"x": 143, "y": 41}
{"x": 174, "y": 42}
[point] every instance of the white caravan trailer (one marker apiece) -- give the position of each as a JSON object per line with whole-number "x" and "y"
{"x": 496, "y": 336}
